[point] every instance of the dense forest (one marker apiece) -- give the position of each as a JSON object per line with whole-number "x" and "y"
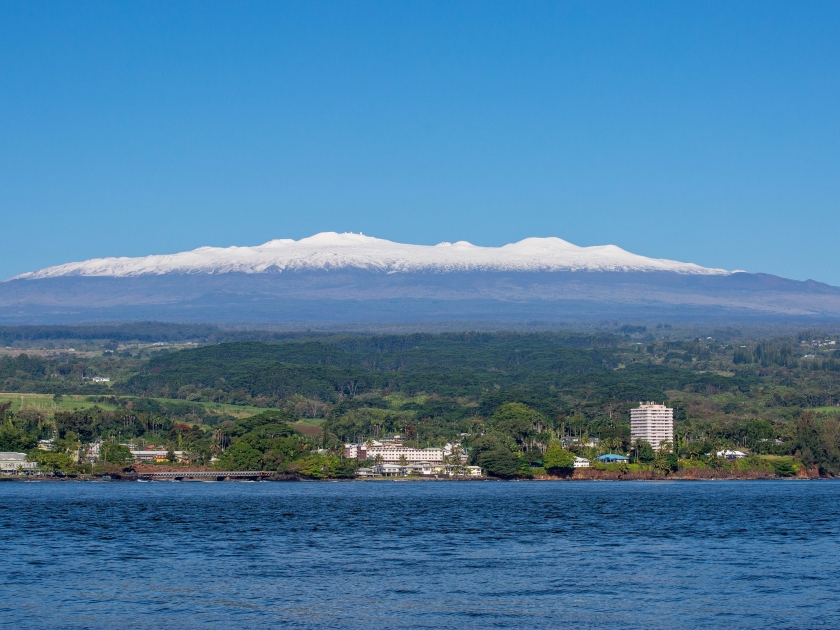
{"x": 288, "y": 401}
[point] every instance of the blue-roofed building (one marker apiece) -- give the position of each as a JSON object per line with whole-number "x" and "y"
{"x": 612, "y": 458}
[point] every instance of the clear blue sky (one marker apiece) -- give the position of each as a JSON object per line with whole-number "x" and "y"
{"x": 705, "y": 132}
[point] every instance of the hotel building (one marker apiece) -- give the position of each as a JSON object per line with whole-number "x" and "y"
{"x": 652, "y": 423}
{"x": 392, "y": 451}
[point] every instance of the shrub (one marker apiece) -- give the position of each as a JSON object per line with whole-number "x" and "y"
{"x": 784, "y": 468}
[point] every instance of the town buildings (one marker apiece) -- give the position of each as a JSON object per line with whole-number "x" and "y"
{"x": 425, "y": 470}
{"x": 652, "y": 423}
{"x": 159, "y": 456}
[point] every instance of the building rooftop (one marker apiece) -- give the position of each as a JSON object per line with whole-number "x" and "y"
{"x": 613, "y": 457}
{"x": 651, "y": 405}
{"x": 13, "y": 456}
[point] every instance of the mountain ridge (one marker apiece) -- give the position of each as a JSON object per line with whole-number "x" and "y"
{"x": 334, "y": 251}
{"x": 355, "y": 278}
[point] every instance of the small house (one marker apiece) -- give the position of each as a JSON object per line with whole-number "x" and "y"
{"x": 613, "y": 458}
{"x": 731, "y": 455}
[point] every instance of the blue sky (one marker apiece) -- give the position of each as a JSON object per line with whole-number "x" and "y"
{"x": 701, "y": 131}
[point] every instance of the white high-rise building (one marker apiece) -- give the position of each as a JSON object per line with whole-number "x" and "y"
{"x": 652, "y": 423}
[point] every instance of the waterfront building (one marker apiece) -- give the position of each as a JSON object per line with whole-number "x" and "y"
{"x": 390, "y": 470}
{"x": 393, "y": 452}
{"x": 652, "y": 423}
{"x": 424, "y": 469}
{"x": 612, "y": 458}
{"x": 158, "y": 456}
{"x": 13, "y": 463}
{"x": 581, "y": 462}
{"x": 421, "y": 468}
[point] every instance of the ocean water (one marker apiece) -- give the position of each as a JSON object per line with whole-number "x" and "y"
{"x": 420, "y": 555}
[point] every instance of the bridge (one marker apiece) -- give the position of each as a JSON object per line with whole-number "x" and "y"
{"x": 216, "y": 475}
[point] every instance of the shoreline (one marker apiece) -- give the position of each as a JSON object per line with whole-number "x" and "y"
{"x": 579, "y": 475}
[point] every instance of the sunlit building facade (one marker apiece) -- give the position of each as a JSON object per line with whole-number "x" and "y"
{"x": 652, "y": 423}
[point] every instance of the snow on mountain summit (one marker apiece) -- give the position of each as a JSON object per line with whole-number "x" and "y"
{"x": 333, "y": 251}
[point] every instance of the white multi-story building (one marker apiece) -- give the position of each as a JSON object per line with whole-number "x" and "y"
{"x": 652, "y": 423}
{"x": 15, "y": 463}
{"x": 393, "y": 452}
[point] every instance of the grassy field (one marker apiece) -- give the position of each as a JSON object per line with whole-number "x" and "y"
{"x": 47, "y": 404}
{"x": 827, "y": 409}
{"x": 237, "y": 411}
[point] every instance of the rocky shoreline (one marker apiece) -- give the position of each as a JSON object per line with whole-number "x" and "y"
{"x": 198, "y": 474}
{"x": 692, "y": 474}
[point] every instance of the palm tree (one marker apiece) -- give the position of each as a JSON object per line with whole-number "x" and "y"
{"x": 661, "y": 462}
{"x": 452, "y": 460}
{"x": 636, "y": 447}
{"x": 693, "y": 450}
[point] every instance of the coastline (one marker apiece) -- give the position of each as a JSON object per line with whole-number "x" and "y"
{"x": 580, "y": 474}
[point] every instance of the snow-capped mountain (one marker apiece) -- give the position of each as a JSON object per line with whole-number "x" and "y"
{"x": 338, "y": 278}
{"x": 332, "y": 251}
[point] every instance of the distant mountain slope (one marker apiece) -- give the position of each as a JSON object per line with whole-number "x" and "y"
{"x": 353, "y": 278}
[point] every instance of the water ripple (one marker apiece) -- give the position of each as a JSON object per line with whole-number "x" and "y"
{"x": 422, "y": 555}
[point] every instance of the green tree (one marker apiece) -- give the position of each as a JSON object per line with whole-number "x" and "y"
{"x": 51, "y": 461}
{"x": 112, "y": 453}
{"x": 80, "y": 422}
{"x": 518, "y": 421}
{"x": 662, "y": 462}
{"x": 644, "y": 452}
{"x": 241, "y": 456}
{"x": 314, "y": 466}
{"x": 557, "y": 459}
{"x": 16, "y": 440}
{"x": 344, "y": 468}
{"x": 500, "y": 462}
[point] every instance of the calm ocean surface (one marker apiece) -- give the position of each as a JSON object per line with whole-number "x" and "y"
{"x": 420, "y": 555}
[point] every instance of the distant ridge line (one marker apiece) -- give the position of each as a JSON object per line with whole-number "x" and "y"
{"x": 329, "y": 251}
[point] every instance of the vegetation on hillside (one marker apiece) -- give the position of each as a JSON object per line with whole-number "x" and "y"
{"x": 513, "y": 399}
